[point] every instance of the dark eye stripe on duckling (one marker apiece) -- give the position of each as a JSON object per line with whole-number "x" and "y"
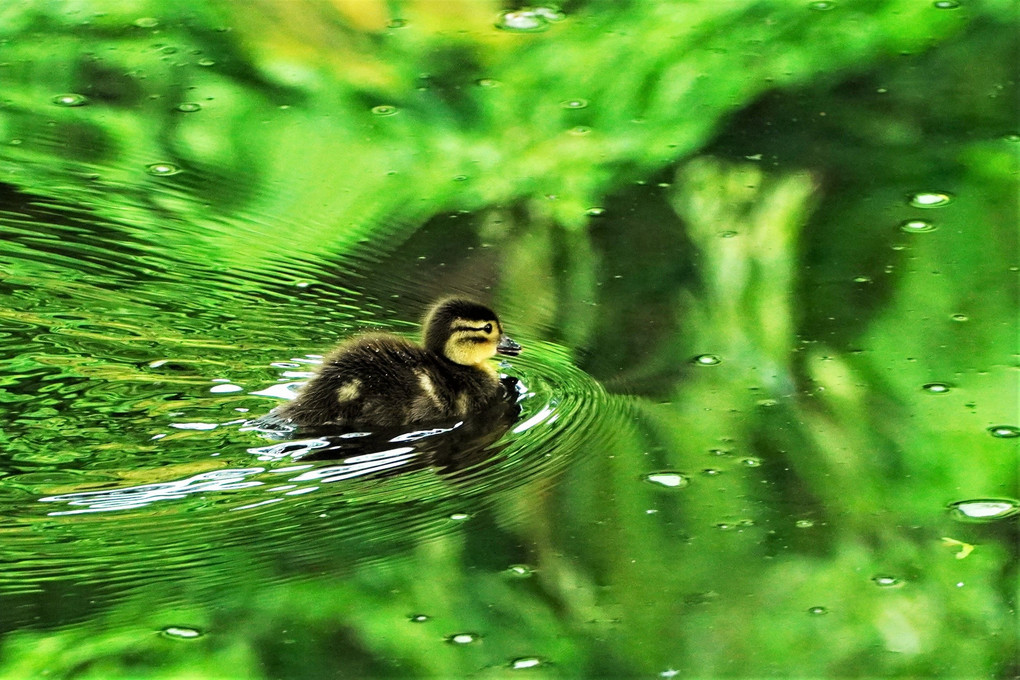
{"x": 487, "y": 328}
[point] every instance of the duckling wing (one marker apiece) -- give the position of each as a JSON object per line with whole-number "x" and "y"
{"x": 372, "y": 380}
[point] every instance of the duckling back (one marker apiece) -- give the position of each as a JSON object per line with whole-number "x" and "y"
{"x": 384, "y": 380}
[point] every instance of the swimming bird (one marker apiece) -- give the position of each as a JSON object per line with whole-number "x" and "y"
{"x": 382, "y": 380}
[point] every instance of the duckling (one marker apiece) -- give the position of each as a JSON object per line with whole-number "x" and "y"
{"x": 381, "y": 380}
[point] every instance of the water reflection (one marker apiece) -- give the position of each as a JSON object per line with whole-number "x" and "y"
{"x": 191, "y": 195}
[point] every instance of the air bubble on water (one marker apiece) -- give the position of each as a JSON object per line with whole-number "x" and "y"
{"x": 225, "y": 388}
{"x": 460, "y": 516}
{"x": 419, "y": 618}
{"x": 574, "y": 104}
{"x": 668, "y": 479}
{"x": 181, "y": 633}
{"x": 886, "y": 581}
{"x": 595, "y": 212}
{"x": 162, "y": 169}
{"x": 917, "y": 226}
{"x": 945, "y": 4}
{"x": 935, "y": 387}
{"x": 146, "y": 22}
{"x": 520, "y": 570}
{"x": 549, "y": 14}
{"x": 711, "y": 472}
{"x": 984, "y": 509}
{"x": 706, "y": 360}
{"x": 751, "y": 461}
{"x": 488, "y": 82}
{"x": 206, "y": 62}
{"x": 930, "y": 199}
{"x": 817, "y": 611}
{"x": 463, "y": 638}
{"x": 1004, "y": 431}
{"x": 384, "y": 110}
{"x": 1011, "y": 137}
{"x": 579, "y": 130}
{"x": 396, "y": 23}
{"x": 821, "y": 5}
{"x": 522, "y": 21}
{"x": 960, "y": 317}
{"x": 525, "y": 662}
{"x": 804, "y": 523}
{"x": 189, "y": 107}
{"x": 70, "y": 99}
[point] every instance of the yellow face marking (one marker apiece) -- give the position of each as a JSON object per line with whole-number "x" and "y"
{"x": 349, "y": 391}
{"x": 472, "y": 342}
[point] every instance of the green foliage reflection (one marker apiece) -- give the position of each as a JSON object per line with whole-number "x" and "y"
{"x": 732, "y": 185}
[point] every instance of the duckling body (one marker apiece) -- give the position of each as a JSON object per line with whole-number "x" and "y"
{"x": 383, "y": 380}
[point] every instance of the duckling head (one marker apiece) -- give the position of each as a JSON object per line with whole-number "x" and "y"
{"x": 466, "y": 332}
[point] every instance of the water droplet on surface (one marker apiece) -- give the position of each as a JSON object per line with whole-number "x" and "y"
{"x": 460, "y": 516}
{"x": 751, "y": 461}
{"x": 574, "y": 104}
{"x": 804, "y": 523}
{"x": 1004, "y": 431}
{"x": 945, "y": 4}
{"x": 162, "y": 169}
{"x": 181, "y": 633}
{"x": 525, "y": 662}
{"x": 1011, "y": 137}
{"x": 711, "y": 472}
{"x": 706, "y": 360}
{"x": 522, "y": 21}
{"x": 206, "y": 62}
{"x": 984, "y": 509}
{"x": 419, "y": 618}
{"x": 463, "y": 638}
{"x": 549, "y": 14}
{"x": 930, "y": 199}
{"x": 384, "y": 110}
{"x": 935, "y": 388}
{"x": 595, "y": 212}
{"x": 821, "y": 5}
{"x": 70, "y": 99}
{"x": 917, "y": 226}
{"x": 488, "y": 82}
{"x": 960, "y": 317}
{"x": 189, "y": 107}
{"x": 579, "y": 130}
{"x": 886, "y": 581}
{"x": 817, "y": 611}
{"x": 396, "y": 23}
{"x": 668, "y": 479}
{"x": 146, "y": 22}
{"x": 520, "y": 570}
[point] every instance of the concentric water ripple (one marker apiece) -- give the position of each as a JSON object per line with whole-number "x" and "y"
{"x": 332, "y": 498}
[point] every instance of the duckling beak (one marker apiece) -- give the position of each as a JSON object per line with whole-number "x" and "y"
{"x": 507, "y": 346}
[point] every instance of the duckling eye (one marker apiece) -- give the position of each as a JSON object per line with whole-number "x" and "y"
{"x": 488, "y": 328}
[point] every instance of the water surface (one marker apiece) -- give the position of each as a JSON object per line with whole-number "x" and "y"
{"x": 767, "y": 291}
